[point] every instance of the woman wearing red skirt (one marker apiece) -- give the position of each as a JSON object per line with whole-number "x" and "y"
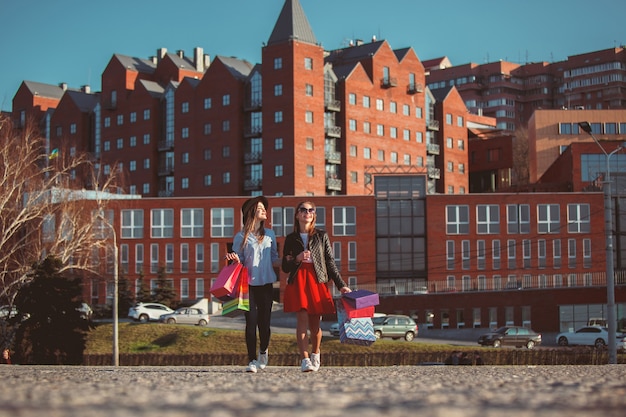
{"x": 309, "y": 260}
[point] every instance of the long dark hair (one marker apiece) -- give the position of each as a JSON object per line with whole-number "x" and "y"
{"x": 249, "y": 216}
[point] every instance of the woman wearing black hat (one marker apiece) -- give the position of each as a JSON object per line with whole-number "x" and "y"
{"x": 255, "y": 247}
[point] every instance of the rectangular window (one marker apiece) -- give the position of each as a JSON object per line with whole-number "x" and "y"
{"x": 480, "y": 254}
{"x": 139, "y": 258}
{"x": 488, "y": 219}
{"x": 495, "y": 253}
{"x": 199, "y": 257}
{"x": 169, "y": 257}
{"x": 124, "y": 258}
{"x": 199, "y": 288}
{"x": 337, "y": 253}
{"x": 526, "y": 253}
{"x": 511, "y": 254}
{"x": 352, "y": 256}
{"x": 162, "y": 223}
{"x": 548, "y": 218}
{"x": 222, "y": 222}
{"x": 556, "y": 253}
{"x": 571, "y": 253}
{"x": 518, "y": 218}
{"x": 184, "y": 258}
{"x": 282, "y": 220}
{"x": 132, "y": 224}
{"x": 541, "y": 253}
{"x": 344, "y": 221}
{"x": 192, "y": 222}
{"x": 450, "y": 254}
{"x": 586, "y": 253}
{"x": 578, "y": 218}
{"x": 154, "y": 258}
{"x": 457, "y": 220}
{"x": 216, "y": 261}
{"x": 465, "y": 254}
{"x": 184, "y": 288}
{"x": 207, "y": 103}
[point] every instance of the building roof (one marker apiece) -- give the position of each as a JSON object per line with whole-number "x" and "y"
{"x": 153, "y": 88}
{"x": 354, "y": 53}
{"x": 292, "y": 24}
{"x": 239, "y": 68}
{"x": 86, "y": 102}
{"x": 44, "y": 90}
{"x": 145, "y": 66}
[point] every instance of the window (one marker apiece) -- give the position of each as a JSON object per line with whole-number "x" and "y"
{"x": 139, "y": 258}
{"x": 226, "y": 100}
{"x": 352, "y": 125}
{"x": 146, "y": 114}
{"x": 282, "y": 220}
{"x": 199, "y": 288}
{"x": 154, "y": 258}
{"x": 199, "y": 257}
{"x": 366, "y": 102}
{"x": 393, "y": 107}
{"x": 278, "y": 63}
{"x": 380, "y": 104}
{"x": 309, "y": 170}
{"x": 457, "y": 220}
{"x": 587, "y": 253}
{"x": 132, "y": 224}
{"x": 578, "y": 218}
{"x": 556, "y": 253}
{"x": 308, "y": 90}
{"x": 344, "y": 221}
{"x": 226, "y": 125}
{"x": 367, "y": 127}
{"x": 184, "y": 288}
{"x": 222, "y": 222}
{"x": 495, "y": 253}
{"x": 207, "y": 103}
{"x": 541, "y": 253}
{"x": 450, "y": 254}
{"x": 448, "y": 119}
{"x": 367, "y": 153}
{"x": 380, "y": 130}
{"x": 169, "y": 257}
{"x": 459, "y": 121}
{"x": 465, "y": 254}
{"x": 308, "y": 116}
{"x": 526, "y": 253}
{"x": 226, "y": 178}
{"x": 184, "y": 107}
{"x": 278, "y": 143}
{"x": 480, "y": 254}
{"x": 352, "y": 98}
{"x": 308, "y": 63}
{"x": 548, "y": 218}
{"x": 278, "y": 117}
{"x": 511, "y": 254}
{"x": 278, "y": 171}
{"x": 309, "y": 144}
{"x": 192, "y": 223}
{"x": 184, "y": 257}
{"x": 518, "y": 218}
{"x": 352, "y": 264}
{"x": 184, "y": 133}
{"x": 162, "y": 223}
{"x": 120, "y": 119}
{"x": 487, "y": 219}
{"x": 571, "y": 253}
{"x": 278, "y": 90}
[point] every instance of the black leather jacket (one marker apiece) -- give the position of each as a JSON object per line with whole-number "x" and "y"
{"x": 321, "y": 254}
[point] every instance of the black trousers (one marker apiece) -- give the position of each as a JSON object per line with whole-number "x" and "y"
{"x": 261, "y": 298}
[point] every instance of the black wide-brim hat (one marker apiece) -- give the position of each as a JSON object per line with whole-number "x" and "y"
{"x": 251, "y": 204}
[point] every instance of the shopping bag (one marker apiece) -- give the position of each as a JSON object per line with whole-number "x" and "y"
{"x": 357, "y": 332}
{"x": 355, "y": 313}
{"x": 241, "y": 303}
{"x": 225, "y": 286}
{"x": 361, "y": 298}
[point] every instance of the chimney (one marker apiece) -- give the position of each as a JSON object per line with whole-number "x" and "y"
{"x": 86, "y": 89}
{"x": 197, "y": 59}
{"x": 154, "y": 59}
{"x": 63, "y": 86}
{"x": 161, "y": 53}
{"x": 359, "y": 42}
{"x": 180, "y": 53}
{"x": 207, "y": 61}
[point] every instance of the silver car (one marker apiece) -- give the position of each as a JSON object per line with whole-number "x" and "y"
{"x": 186, "y": 315}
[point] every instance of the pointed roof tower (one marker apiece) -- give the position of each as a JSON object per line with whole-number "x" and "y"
{"x": 292, "y": 24}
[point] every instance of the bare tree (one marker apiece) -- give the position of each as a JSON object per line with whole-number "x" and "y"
{"x": 45, "y": 209}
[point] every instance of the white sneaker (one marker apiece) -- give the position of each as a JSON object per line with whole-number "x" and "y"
{"x": 252, "y": 367}
{"x": 306, "y": 365}
{"x": 262, "y": 361}
{"x": 315, "y": 361}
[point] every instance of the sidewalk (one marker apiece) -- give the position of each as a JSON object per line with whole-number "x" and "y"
{"x": 427, "y": 391}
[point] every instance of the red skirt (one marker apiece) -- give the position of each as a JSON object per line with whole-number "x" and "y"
{"x": 306, "y": 293}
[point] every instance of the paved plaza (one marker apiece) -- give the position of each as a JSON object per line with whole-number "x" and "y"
{"x": 437, "y": 391}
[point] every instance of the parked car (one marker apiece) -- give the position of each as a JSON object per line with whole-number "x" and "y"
{"x": 395, "y": 326}
{"x": 144, "y": 312}
{"x": 334, "y": 329}
{"x": 517, "y": 336}
{"x": 590, "y": 336}
{"x": 186, "y": 315}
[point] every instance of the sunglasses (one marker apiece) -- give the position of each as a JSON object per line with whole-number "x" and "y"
{"x": 306, "y": 210}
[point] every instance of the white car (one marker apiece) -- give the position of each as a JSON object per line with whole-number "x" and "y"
{"x": 590, "y": 336}
{"x": 145, "y": 312}
{"x": 186, "y": 315}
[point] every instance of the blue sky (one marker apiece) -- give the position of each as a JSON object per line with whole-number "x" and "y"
{"x": 73, "y": 40}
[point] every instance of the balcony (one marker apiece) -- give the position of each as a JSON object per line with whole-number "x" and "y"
{"x": 388, "y": 82}
{"x": 252, "y": 104}
{"x": 252, "y": 184}
{"x": 252, "y": 131}
{"x": 414, "y": 88}
{"x": 432, "y": 148}
{"x": 166, "y": 193}
{"x": 167, "y": 169}
{"x": 333, "y": 157}
{"x": 252, "y": 157}
{"x": 434, "y": 173}
{"x": 333, "y": 184}
{"x": 332, "y": 105}
{"x": 432, "y": 125}
{"x": 166, "y": 145}
{"x": 333, "y": 131}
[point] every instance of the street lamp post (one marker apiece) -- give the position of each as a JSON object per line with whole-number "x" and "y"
{"x": 608, "y": 231}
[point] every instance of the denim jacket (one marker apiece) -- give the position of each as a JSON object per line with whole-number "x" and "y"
{"x": 321, "y": 254}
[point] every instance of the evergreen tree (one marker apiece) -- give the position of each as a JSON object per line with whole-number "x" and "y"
{"x": 54, "y": 333}
{"x": 143, "y": 293}
{"x": 164, "y": 292}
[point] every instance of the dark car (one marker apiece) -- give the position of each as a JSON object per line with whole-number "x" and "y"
{"x": 511, "y": 336}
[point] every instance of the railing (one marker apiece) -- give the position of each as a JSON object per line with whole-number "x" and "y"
{"x": 414, "y": 88}
{"x": 332, "y": 105}
{"x": 387, "y": 82}
{"x": 333, "y": 131}
{"x": 432, "y": 148}
{"x": 252, "y": 184}
{"x": 504, "y": 283}
{"x": 252, "y": 157}
{"x": 333, "y": 157}
{"x": 252, "y": 131}
{"x": 165, "y": 145}
{"x": 432, "y": 125}
{"x": 434, "y": 173}
{"x": 333, "y": 184}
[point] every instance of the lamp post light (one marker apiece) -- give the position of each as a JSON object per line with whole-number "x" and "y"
{"x": 608, "y": 231}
